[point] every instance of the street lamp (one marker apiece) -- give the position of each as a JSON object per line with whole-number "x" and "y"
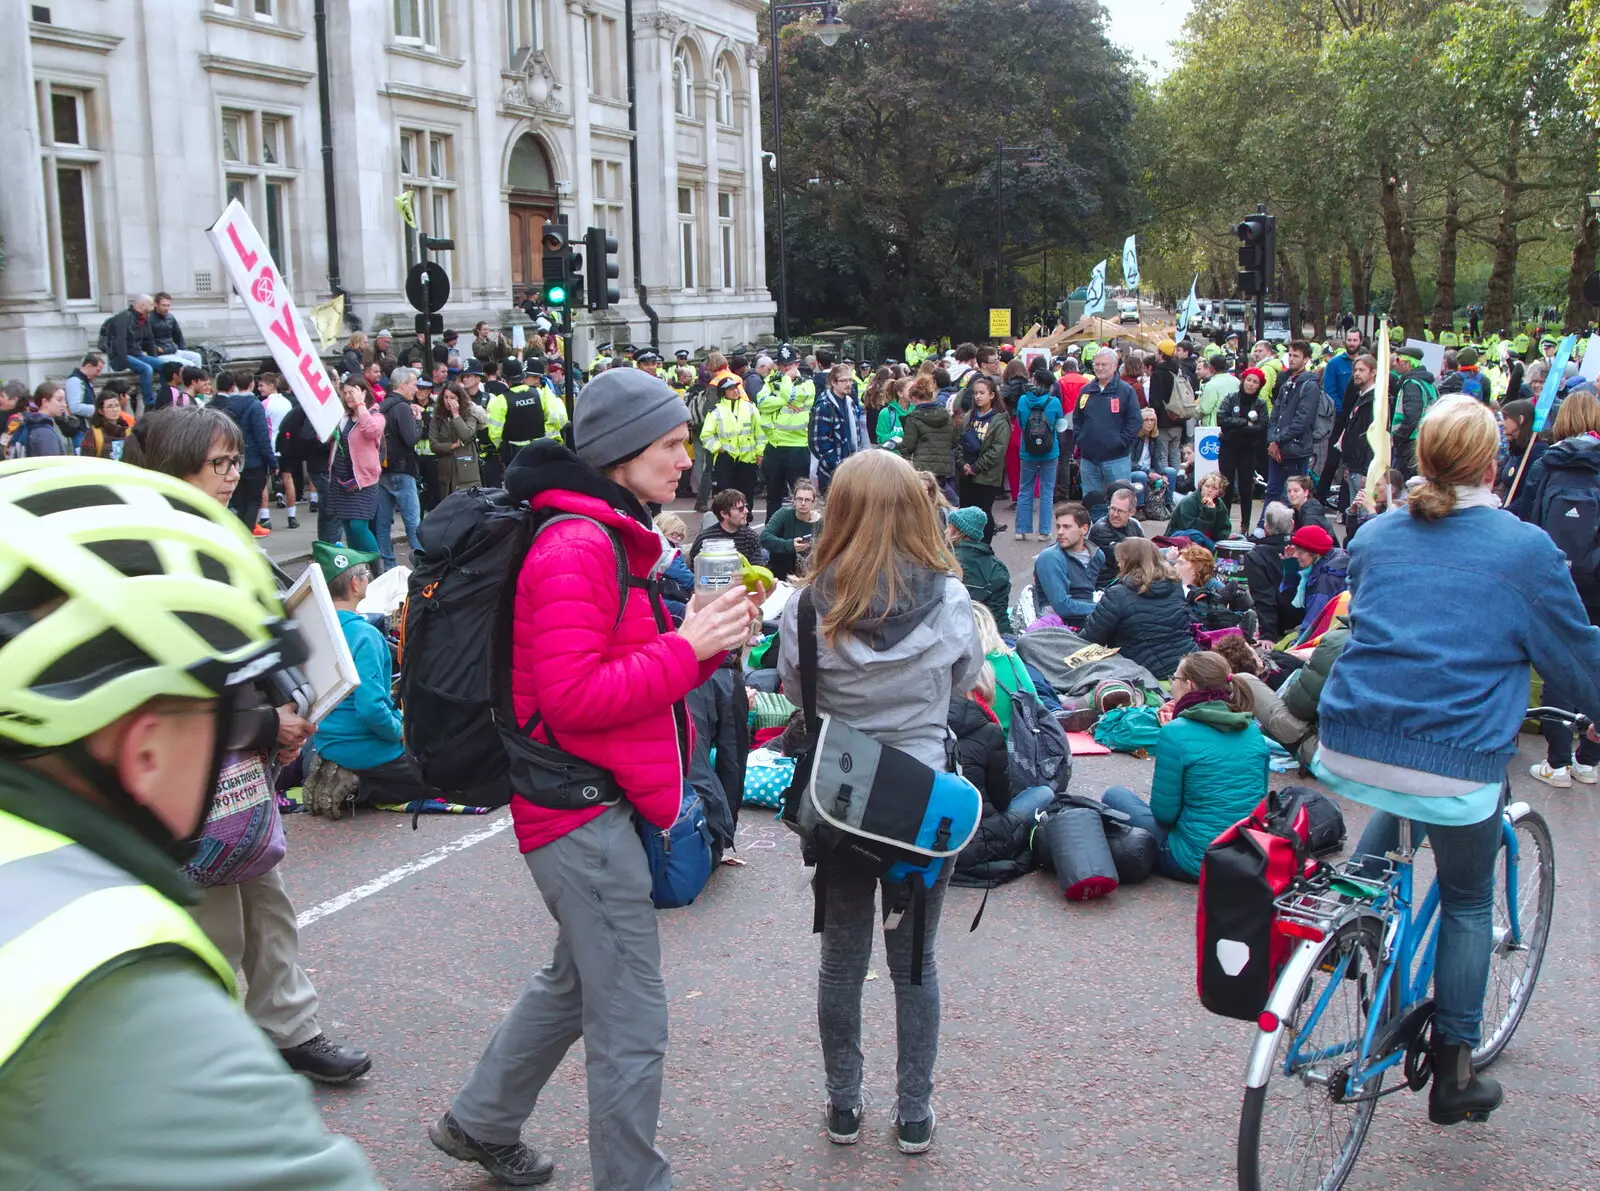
{"x": 829, "y": 30}
{"x": 1033, "y": 162}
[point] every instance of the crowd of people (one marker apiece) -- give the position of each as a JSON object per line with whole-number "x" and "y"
{"x": 881, "y": 505}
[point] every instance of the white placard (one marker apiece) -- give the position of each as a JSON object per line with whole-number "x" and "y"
{"x": 329, "y": 668}
{"x": 1432, "y": 355}
{"x": 1207, "y": 451}
{"x": 1589, "y": 369}
{"x": 265, "y": 295}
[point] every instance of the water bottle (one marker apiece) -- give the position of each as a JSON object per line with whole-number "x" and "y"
{"x": 715, "y": 567}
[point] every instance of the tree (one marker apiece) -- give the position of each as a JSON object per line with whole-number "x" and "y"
{"x": 891, "y": 173}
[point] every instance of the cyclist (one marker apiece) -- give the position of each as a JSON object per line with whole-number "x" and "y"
{"x": 1440, "y": 757}
{"x": 132, "y": 608}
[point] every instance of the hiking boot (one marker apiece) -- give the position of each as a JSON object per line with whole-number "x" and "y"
{"x": 1559, "y": 778}
{"x": 326, "y": 1061}
{"x": 915, "y": 1137}
{"x": 516, "y": 1165}
{"x": 1587, "y": 774}
{"x": 1457, "y": 1093}
{"x": 844, "y": 1125}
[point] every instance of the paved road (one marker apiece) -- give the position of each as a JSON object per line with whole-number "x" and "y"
{"x": 1075, "y": 1054}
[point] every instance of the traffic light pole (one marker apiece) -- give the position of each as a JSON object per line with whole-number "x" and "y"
{"x": 567, "y": 394}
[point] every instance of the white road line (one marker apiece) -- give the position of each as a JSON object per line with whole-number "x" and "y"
{"x": 378, "y": 884}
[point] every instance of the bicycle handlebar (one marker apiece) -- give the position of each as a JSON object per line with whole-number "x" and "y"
{"x": 1574, "y": 719}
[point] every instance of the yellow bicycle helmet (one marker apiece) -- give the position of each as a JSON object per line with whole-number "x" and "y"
{"x": 120, "y": 585}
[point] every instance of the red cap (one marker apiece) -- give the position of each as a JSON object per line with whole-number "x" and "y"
{"x": 1255, "y": 372}
{"x": 1313, "y": 538}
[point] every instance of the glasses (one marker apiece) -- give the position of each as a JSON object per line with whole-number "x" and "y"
{"x": 223, "y": 464}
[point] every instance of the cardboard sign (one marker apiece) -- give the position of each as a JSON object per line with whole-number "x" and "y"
{"x": 265, "y": 295}
{"x": 999, "y": 323}
{"x": 1432, "y": 355}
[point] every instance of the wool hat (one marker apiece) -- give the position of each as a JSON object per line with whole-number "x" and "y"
{"x": 1313, "y": 538}
{"x": 968, "y": 522}
{"x": 621, "y": 412}
{"x": 1467, "y": 357}
{"x": 1255, "y": 372}
{"x": 335, "y": 560}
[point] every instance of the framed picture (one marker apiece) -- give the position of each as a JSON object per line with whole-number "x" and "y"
{"x": 329, "y": 668}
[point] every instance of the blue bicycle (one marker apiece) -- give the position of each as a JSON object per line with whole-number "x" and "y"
{"x": 1352, "y": 1004}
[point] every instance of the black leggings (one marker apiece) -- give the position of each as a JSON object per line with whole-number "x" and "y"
{"x": 981, "y": 496}
{"x": 1239, "y": 469}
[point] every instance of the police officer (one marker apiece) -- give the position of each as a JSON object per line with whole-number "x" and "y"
{"x": 516, "y": 418}
{"x": 551, "y": 399}
{"x": 785, "y": 408}
{"x": 602, "y": 358}
{"x": 734, "y": 437}
{"x": 124, "y": 1059}
{"x": 649, "y": 360}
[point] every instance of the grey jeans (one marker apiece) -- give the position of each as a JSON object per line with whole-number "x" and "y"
{"x": 847, "y": 930}
{"x": 604, "y": 985}
{"x": 1167, "y": 448}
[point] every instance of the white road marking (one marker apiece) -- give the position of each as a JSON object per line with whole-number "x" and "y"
{"x": 378, "y": 884}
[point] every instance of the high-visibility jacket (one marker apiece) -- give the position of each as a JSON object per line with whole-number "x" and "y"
{"x": 555, "y": 412}
{"x": 517, "y": 416}
{"x": 734, "y": 428}
{"x": 785, "y": 409}
{"x": 69, "y": 914}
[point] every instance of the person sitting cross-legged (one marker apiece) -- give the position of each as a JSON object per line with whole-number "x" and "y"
{"x": 987, "y": 579}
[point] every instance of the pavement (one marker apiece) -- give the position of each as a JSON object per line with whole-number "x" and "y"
{"x": 1075, "y": 1055}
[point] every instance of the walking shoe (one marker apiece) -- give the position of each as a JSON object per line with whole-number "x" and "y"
{"x": 1044, "y": 537}
{"x": 326, "y": 1061}
{"x": 1587, "y": 774}
{"x": 1020, "y": 536}
{"x": 1457, "y": 1093}
{"x": 915, "y": 1137}
{"x": 293, "y": 522}
{"x": 516, "y": 1164}
{"x": 261, "y": 531}
{"x": 1559, "y": 778}
{"x": 844, "y": 1125}
{"x": 282, "y": 503}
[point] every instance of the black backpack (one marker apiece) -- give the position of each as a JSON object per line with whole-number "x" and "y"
{"x": 455, "y": 668}
{"x": 1037, "y": 434}
{"x": 1570, "y": 513}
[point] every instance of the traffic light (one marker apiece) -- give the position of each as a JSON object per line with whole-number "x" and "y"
{"x": 600, "y": 248}
{"x": 1256, "y": 234}
{"x": 563, "y": 269}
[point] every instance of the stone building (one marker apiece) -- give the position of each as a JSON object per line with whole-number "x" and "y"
{"x": 148, "y": 115}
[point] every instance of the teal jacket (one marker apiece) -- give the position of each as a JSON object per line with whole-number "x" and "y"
{"x": 1211, "y": 771}
{"x": 988, "y": 580}
{"x": 364, "y": 731}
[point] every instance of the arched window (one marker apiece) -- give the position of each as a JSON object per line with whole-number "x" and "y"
{"x": 723, "y": 81}
{"x": 683, "y": 84}
{"x": 529, "y": 168}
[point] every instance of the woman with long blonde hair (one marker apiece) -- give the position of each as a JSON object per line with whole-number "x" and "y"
{"x": 1449, "y": 606}
{"x": 896, "y": 637}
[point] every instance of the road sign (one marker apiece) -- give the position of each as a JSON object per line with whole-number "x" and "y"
{"x": 432, "y": 295}
{"x": 999, "y": 323}
{"x": 1207, "y": 451}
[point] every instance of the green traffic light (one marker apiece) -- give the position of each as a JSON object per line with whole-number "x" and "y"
{"x": 555, "y": 295}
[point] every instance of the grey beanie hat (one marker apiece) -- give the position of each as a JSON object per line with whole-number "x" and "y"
{"x": 621, "y": 412}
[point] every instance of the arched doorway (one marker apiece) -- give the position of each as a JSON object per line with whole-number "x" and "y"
{"x": 532, "y": 200}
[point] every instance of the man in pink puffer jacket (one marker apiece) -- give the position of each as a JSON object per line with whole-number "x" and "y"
{"x": 608, "y": 689}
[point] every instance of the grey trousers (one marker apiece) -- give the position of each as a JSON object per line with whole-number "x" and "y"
{"x": 604, "y": 985}
{"x": 253, "y": 925}
{"x": 848, "y": 924}
{"x": 1167, "y": 449}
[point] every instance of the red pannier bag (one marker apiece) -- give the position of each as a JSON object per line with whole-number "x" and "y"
{"x": 1244, "y": 871}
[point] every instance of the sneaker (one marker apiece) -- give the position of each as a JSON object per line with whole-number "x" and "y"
{"x": 282, "y": 503}
{"x": 1558, "y": 778}
{"x": 326, "y": 1061}
{"x": 844, "y": 1125}
{"x": 1019, "y": 536}
{"x": 915, "y": 1137}
{"x": 262, "y": 531}
{"x": 516, "y": 1165}
{"x": 1587, "y": 774}
{"x": 294, "y": 522}
{"x": 1044, "y": 537}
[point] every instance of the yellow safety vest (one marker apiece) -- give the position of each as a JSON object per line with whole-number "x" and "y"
{"x": 734, "y": 428}
{"x": 785, "y": 407}
{"x": 67, "y": 914}
{"x": 555, "y": 412}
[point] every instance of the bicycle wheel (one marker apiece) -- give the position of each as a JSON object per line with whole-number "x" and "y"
{"x": 1294, "y": 1135}
{"x": 1514, "y": 963}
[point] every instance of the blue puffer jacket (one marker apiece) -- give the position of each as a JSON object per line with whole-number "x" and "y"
{"x": 1149, "y": 627}
{"x": 1051, "y": 404}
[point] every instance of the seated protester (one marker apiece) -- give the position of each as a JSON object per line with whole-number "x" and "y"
{"x": 788, "y": 534}
{"x": 1143, "y": 613}
{"x": 1272, "y": 716}
{"x": 363, "y": 733}
{"x": 1390, "y": 494}
{"x": 1211, "y": 765}
{"x": 107, "y": 429}
{"x": 1115, "y": 527}
{"x": 1308, "y": 510}
{"x": 1145, "y": 454}
{"x": 987, "y": 579}
{"x": 1324, "y": 574}
{"x": 1001, "y": 848}
{"x": 1204, "y": 509}
{"x": 1009, "y": 672}
{"x": 720, "y": 708}
{"x": 1066, "y": 574}
{"x": 1264, "y": 568}
{"x": 677, "y": 580}
{"x": 732, "y": 512}
{"x": 1214, "y": 603}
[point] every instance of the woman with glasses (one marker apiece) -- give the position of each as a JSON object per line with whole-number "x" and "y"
{"x": 354, "y": 467}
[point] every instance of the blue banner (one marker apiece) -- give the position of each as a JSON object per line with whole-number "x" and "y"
{"x": 1552, "y": 383}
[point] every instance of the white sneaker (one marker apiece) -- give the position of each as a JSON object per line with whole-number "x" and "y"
{"x": 1587, "y": 774}
{"x": 1019, "y": 537}
{"x": 1558, "y": 778}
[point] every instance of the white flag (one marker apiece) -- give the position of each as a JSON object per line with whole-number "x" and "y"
{"x": 1188, "y": 308}
{"x": 1096, "y": 301}
{"x": 1130, "y": 264}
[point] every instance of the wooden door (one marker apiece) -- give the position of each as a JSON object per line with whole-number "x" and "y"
{"x": 527, "y": 228}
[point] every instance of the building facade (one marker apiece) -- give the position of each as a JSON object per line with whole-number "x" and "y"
{"x": 148, "y": 116}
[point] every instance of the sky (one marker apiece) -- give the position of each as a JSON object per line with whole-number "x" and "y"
{"x": 1145, "y": 27}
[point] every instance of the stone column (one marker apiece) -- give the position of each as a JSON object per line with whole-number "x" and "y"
{"x": 23, "y": 222}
